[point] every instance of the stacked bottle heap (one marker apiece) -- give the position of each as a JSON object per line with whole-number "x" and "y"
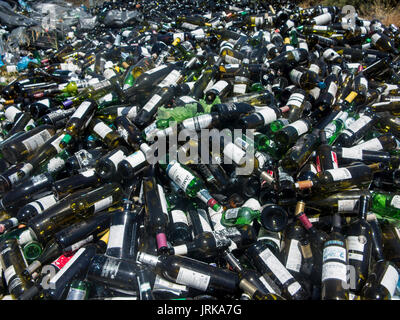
{"x": 93, "y": 206}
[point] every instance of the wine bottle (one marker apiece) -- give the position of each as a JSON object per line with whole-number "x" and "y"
{"x": 193, "y": 273}
{"x": 266, "y": 262}
{"x": 359, "y": 245}
{"x": 381, "y": 283}
{"x": 334, "y": 283}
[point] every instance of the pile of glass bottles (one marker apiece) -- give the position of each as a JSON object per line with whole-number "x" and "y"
{"x": 201, "y": 150}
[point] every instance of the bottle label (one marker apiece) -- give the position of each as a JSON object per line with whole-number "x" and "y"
{"x": 82, "y": 109}
{"x": 300, "y": 126}
{"x": 37, "y": 140}
{"x": 189, "y": 26}
{"x": 161, "y": 284}
{"x": 110, "y": 268}
{"x": 156, "y": 69}
{"x": 295, "y": 76}
{"x": 9, "y": 273}
{"x": 219, "y": 86}
{"x": 332, "y": 90}
{"x": 102, "y": 129}
{"x": 253, "y": 204}
{"x": 268, "y": 114}
{"x": 65, "y": 268}
{"x": 171, "y": 79}
{"x": 44, "y": 203}
{"x": 136, "y": 159}
{"x": 390, "y": 279}
{"x": 359, "y": 123}
{"x": 180, "y": 175}
{"x": 198, "y": 123}
{"x": 56, "y": 143}
{"x": 79, "y": 244}
{"x": 294, "y": 256}
{"x": 55, "y": 164}
{"x": 314, "y": 68}
{"x": 334, "y": 252}
{"x": 296, "y": 99}
{"x": 187, "y": 100}
{"x": 352, "y": 153}
{"x": 11, "y": 112}
{"x": 240, "y": 88}
{"x": 76, "y": 294}
{"x": 395, "y": 203}
{"x": 275, "y": 266}
{"x": 88, "y": 173}
{"x": 178, "y": 216}
{"x": 116, "y": 237}
{"x": 103, "y": 204}
{"x": 179, "y": 35}
{"x": 371, "y": 145}
{"x": 346, "y": 205}
{"x": 293, "y": 288}
{"x": 129, "y": 112}
{"x": 232, "y": 151}
{"x": 193, "y": 279}
{"x": 375, "y": 38}
{"x": 334, "y": 270}
{"x": 356, "y": 243}
{"x": 150, "y": 105}
{"x": 117, "y": 157}
{"x": 339, "y": 174}
{"x": 267, "y": 285}
{"x": 232, "y": 213}
{"x": 231, "y": 60}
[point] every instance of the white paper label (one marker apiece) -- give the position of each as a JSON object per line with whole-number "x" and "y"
{"x": 193, "y": 279}
{"x": 117, "y": 157}
{"x": 390, "y": 279}
{"x": 346, "y": 205}
{"x": 198, "y": 123}
{"x": 295, "y": 76}
{"x": 268, "y": 114}
{"x": 339, "y": 174}
{"x": 103, "y": 204}
{"x": 156, "y": 69}
{"x": 116, "y": 237}
{"x": 334, "y": 270}
{"x": 352, "y": 153}
{"x": 232, "y": 213}
{"x": 294, "y": 287}
{"x": 180, "y": 175}
{"x": 152, "y": 103}
{"x": 240, "y": 88}
{"x": 267, "y": 285}
{"x": 371, "y": 145}
{"x": 356, "y": 243}
{"x": 84, "y": 106}
{"x": 294, "y": 256}
{"x": 37, "y": 140}
{"x": 232, "y": 151}
{"x": 275, "y": 266}
{"x": 171, "y": 79}
{"x": 300, "y": 126}
{"x": 129, "y": 112}
{"x": 359, "y": 123}
{"x": 395, "y": 202}
{"x": 8, "y": 273}
{"x": 102, "y": 129}
{"x": 136, "y": 158}
{"x": 356, "y": 256}
{"x": 88, "y": 173}
{"x": 296, "y": 99}
{"x": 220, "y": 85}
{"x": 178, "y": 216}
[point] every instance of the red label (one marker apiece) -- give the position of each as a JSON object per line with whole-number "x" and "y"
{"x": 318, "y": 164}
{"x": 334, "y": 159}
{"x": 61, "y": 261}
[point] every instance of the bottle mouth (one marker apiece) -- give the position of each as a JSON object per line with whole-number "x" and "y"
{"x": 273, "y": 218}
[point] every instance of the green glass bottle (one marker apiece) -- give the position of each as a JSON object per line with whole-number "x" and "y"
{"x": 386, "y": 204}
{"x": 189, "y": 183}
{"x": 239, "y": 216}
